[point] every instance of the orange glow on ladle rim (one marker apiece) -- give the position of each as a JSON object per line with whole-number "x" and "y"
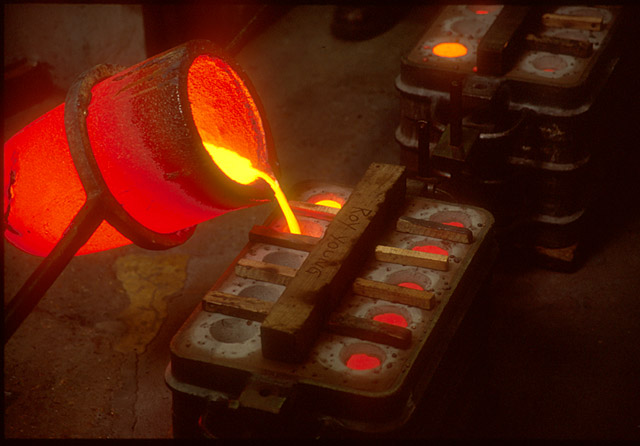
{"x": 450, "y": 49}
{"x": 240, "y": 170}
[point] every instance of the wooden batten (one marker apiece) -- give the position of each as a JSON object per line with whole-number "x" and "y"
{"x": 434, "y": 229}
{"x": 266, "y": 272}
{"x": 409, "y": 257}
{"x": 370, "y": 330}
{"x": 313, "y": 210}
{"x": 394, "y": 293}
{"x": 237, "y": 306}
{"x": 291, "y": 328}
{"x": 257, "y": 310}
{"x": 265, "y": 234}
{"x": 572, "y": 21}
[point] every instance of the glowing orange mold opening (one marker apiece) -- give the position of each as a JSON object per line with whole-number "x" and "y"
{"x": 450, "y": 50}
{"x": 362, "y": 361}
{"x": 432, "y": 249}
{"x": 329, "y": 203}
{"x": 413, "y": 286}
{"x": 391, "y": 318}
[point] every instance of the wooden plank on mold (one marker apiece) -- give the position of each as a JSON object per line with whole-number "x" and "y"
{"x": 394, "y": 293}
{"x": 434, "y": 229}
{"x": 265, "y": 234}
{"x": 237, "y": 306}
{"x": 266, "y": 272}
{"x": 313, "y": 210}
{"x": 557, "y": 45}
{"x": 370, "y": 330}
{"x": 572, "y": 21}
{"x": 291, "y": 328}
{"x": 409, "y": 257}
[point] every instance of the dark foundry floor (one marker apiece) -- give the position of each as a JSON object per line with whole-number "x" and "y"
{"x": 561, "y": 355}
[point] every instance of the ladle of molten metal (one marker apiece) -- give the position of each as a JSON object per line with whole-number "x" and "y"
{"x": 134, "y": 155}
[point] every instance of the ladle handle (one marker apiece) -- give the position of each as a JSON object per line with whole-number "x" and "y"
{"x": 75, "y": 236}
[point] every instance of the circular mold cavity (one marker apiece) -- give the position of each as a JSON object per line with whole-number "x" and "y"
{"x": 409, "y": 278}
{"x": 412, "y": 285}
{"x": 453, "y": 218}
{"x": 311, "y": 228}
{"x": 232, "y": 330}
{"x": 581, "y": 35}
{"x": 469, "y": 27}
{"x": 450, "y": 50}
{"x": 484, "y": 9}
{"x": 390, "y": 314}
{"x": 284, "y": 258}
{"x": 307, "y": 227}
{"x": 262, "y": 292}
{"x": 325, "y": 191}
{"x": 362, "y": 356}
{"x": 327, "y": 199}
{"x": 549, "y": 63}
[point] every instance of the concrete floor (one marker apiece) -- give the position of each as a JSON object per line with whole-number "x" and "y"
{"x": 562, "y": 356}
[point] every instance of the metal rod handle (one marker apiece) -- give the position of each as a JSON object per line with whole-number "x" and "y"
{"x": 75, "y": 236}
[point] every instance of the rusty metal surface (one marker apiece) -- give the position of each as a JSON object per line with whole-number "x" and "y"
{"x": 76, "y": 110}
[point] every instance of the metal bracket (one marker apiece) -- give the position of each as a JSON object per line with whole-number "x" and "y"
{"x": 265, "y": 394}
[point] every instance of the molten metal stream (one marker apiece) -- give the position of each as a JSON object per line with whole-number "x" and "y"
{"x": 240, "y": 170}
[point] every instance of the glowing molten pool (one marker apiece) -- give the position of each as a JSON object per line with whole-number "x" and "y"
{"x": 329, "y": 203}
{"x": 432, "y": 249}
{"x": 450, "y": 50}
{"x": 362, "y": 361}
{"x": 391, "y": 318}
{"x": 413, "y": 286}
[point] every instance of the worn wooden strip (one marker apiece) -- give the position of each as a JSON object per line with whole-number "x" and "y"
{"x": 265, "y": 234}
{"x": 572, "y": 21}
{"x": 369, "y": 330}
{"x": 313, "y": 210}
{"x": 290, "y": 329}
{"x": 409, "y": 257}
{"x": 434, "y": 229}
{"x": 558, "y": 45}
{"x": 267, "y": 272}
{"x": 237, "y": 306}
{"x": 394, "y": 293}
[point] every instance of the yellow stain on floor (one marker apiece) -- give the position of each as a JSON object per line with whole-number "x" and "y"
{"x": 148, "y": 281}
